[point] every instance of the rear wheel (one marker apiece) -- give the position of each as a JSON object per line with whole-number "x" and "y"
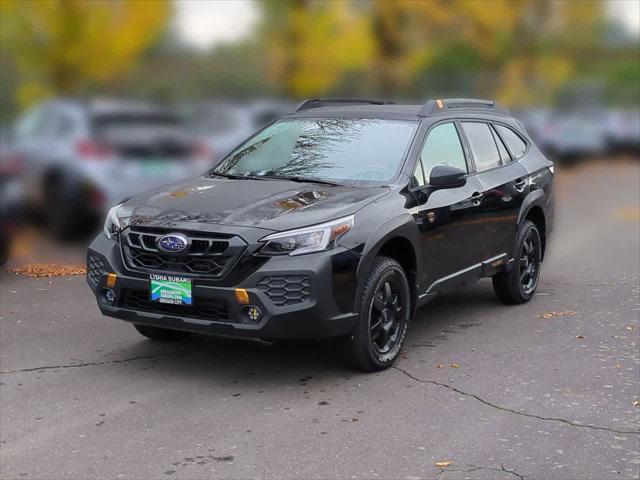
{"x": 385, "y": 310}
{"x": 519, "y": 284}
{"x": 161, "y": 334}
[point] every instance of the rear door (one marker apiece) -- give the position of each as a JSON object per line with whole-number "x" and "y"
{"x": 504, "y": 186}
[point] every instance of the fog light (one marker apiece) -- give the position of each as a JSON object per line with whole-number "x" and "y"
{"x": 253, "y": 314}
{"x": 108, "y": 296}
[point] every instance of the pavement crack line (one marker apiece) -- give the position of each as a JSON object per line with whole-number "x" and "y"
{"x": 509, "y": 410}
{"x": 475, "y": 468}
{"x": 91, "y": 364}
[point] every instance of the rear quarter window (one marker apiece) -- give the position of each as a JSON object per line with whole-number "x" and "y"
{"x": 514, "y": 142}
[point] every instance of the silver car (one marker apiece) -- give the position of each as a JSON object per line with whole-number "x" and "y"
{"x": 83, "y": 156}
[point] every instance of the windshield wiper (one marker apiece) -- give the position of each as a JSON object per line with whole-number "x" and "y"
{"x": 303, "y": 179}
{"x": 233, "y": 177}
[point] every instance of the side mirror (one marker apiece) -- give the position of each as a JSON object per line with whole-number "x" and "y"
{"x": 445, "y": 176}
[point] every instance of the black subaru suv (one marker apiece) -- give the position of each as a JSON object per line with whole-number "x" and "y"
{"x": 337, "y": 220}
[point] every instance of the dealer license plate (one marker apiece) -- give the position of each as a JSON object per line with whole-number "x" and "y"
{"x": 171, "y": 289}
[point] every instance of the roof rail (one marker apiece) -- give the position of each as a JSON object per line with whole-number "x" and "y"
{"x": 325, "y": 102}
{"x": 442, "y": 105}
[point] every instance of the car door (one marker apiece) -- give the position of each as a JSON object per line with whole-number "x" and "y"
{"x": 504, "y": 187}
{"x": 447, "y": 218}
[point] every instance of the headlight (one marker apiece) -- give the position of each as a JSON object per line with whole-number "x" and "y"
{"x": 307, "y": 240}
{"x": 112, "y": 223}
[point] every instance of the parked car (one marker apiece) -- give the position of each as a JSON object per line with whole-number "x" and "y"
{"x": 81, "y": 157}
{"x": 338, "y": 220}
{"x": 223, "y": 125}
{"x": 574, "y": 135}
{"x": 623, "y": 130}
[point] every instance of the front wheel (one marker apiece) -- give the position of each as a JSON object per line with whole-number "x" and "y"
{"x": 160, "y": 334}
{"x": 385, "y": 311}
{"x": 519, "y": 284}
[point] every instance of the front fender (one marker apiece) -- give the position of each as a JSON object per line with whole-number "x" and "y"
{"x": 402, "y": 226}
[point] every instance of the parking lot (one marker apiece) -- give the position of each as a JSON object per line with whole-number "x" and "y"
{"x": 546, "y": 390}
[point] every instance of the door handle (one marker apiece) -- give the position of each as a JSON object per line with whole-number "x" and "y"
{"x": 476, "y": 198}
{"x": 520, "y": 184}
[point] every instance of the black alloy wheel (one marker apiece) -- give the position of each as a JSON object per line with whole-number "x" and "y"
{"x": 384, "y": 314}
{"x": 519, "y": 284}
{"x": 529, "y": 268}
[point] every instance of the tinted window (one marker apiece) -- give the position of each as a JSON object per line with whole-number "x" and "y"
{"x": 330, "y": 148}
{"x": 504, "y": 155}
{"x": 513, "y": 141}
{"x": 483, "y": 147}
{"x": 442, "y": 147}
{"x": 418, "y": 175}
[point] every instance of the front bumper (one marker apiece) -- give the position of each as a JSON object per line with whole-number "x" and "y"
{"x": 315, "y": 313}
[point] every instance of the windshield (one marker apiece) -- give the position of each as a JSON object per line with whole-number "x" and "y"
{"x": 335, "y": 149}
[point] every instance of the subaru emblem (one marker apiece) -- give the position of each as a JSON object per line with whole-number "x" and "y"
{"x": 173, "y": 243}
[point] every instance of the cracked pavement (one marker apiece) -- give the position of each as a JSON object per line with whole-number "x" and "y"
{"x": 82, "y": 396}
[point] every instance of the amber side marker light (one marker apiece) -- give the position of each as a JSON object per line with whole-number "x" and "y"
{"x": 111, "y": 280}
{"x": 242, "y": 296}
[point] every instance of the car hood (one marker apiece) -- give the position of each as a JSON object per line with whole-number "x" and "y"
{"x": 268, "y": 204}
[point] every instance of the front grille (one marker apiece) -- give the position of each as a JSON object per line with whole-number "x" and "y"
{"x": 203, "y": 308}
{"x": 95, "y": 268}
{"x": 207, "y": 255}
{"x": 286, "y": 289}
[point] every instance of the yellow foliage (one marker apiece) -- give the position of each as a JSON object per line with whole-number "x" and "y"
{"x": 318, "y": 45}
{"x": 66, "y": 44}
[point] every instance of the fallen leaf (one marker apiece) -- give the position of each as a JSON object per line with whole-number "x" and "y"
{"x": 618, "y": 365}
{"x": 444, "y": 463}
{"x": 455, "y": 365}
{"x": 636, "y": 403}
{"x": 439, "y": 365}
{"x": 547, "y": 315}
{"x": 579, "y": 337}
{"x": 39, "y": 270}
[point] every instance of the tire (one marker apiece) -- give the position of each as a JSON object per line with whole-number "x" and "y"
{"x": 5, "y": 249}
{"x": 67, "y": 214}
{"x": 60, "y": 214}
{"x": 385, "y": 311}
{"x": 161, "y": 334}
{"x": 519, "y": 284}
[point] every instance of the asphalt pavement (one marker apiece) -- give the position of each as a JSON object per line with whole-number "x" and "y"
{"x": 546, "y": 390}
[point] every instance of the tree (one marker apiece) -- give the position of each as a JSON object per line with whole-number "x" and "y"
{"x": 63, "y": 46}
{"x": 312, "y": 44}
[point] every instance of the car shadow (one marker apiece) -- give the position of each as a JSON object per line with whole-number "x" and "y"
{"x": 228, "y": 360}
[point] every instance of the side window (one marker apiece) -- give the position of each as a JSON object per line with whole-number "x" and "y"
{"x": 418, "y": 175}
{"x": 442, "y": 147}
{"x": 516, "y": 145}
{"x": 504, "y": 155}
{"x": 484, "y": 149}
